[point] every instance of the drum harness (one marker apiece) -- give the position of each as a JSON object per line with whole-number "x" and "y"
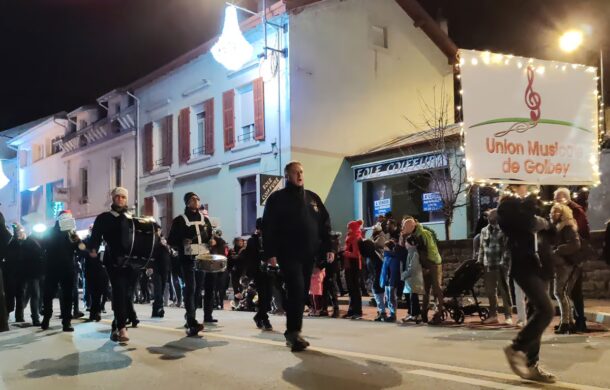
{"x": 197, "y": 224}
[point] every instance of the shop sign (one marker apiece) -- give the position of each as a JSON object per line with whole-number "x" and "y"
{"x": 432, "y": 201}
{"x": 268, "y": 184}
{"x": 401, "y": 166}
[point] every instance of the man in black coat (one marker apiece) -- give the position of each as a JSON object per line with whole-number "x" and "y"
{"x": 188, "y": 233}
{"x": 297, "y": 230}
{"x": 60, "y": 247}
{"x": 256, "y": 269}
{"x": 161, "y": 270}
{"x": 113, "y": 227}
{"x": 24, "y": 266}
{"x": 531, "y": 270}
{"x": 96, "y": 282}
{"x": 5, "y": 238}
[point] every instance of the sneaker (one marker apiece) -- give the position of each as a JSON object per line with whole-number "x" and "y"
{"x": 537, "y": 374}
{"x": 490, "y": 320}
{"x": 390, "y": 318}
{"x": 357, "y": 316}
{"x": 417, "y": 319}
{"x": 122, "y": 336}
{"x": 508, "y": 321}
{"x": 348, "y": 315}
{"x": 380, "y": 317}
{"x": 517, "y": 361}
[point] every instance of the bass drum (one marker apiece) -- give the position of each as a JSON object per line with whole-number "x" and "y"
{"x": 143, "y": 241}
{"x": 211, "y": 263}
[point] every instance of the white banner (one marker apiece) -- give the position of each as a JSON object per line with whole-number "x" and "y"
{"x": 528, "y": 120}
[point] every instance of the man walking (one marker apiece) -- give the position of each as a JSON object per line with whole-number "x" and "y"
{"x": 296, "y": 229}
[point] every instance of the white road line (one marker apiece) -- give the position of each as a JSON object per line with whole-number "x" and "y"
{"x": 469, "y": 381}
{"x": 381, "y": 358}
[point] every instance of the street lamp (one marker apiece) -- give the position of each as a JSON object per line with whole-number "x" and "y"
{"x": 571, "y": 40}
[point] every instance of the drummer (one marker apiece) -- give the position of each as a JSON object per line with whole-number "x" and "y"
{"x": 113, "y": 228}
{"x": 190, "y": 233}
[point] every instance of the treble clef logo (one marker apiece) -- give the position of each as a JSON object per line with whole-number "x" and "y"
{"x": 532, "y": 98}
{"x": 533, "y": 102}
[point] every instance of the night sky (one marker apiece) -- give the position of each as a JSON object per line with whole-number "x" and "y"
{"x": 61, "y": 54}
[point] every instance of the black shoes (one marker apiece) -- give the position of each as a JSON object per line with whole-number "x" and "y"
{"x": 380, "y": 317}
{"x": 263, "y": 324}
{"x": 194, "y": 330}
{"x": 295, "y": 341}
{"x": 45, "y": 323}
{"x": 78, "y": 314}
{"x": 134, "y": 322}
{"x": 67, "y": 328}
{"x": 390, "y": 318}
{"x": 36, "y": 322}
{"x": 210, "y": 320}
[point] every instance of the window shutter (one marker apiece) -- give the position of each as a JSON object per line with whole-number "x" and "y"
{"x": 228, "y": 118}
{"x": 148, "y": 147}
{"x": 168, "y": 147}
{"x": 208, "y": 107}
{"x": 184, "y": 135}
{"x": 169, "y": 213}
{"x": 258, "y": 87}
{"x": 148, "y": 206}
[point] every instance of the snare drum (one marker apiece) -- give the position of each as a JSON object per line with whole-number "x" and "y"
{"x": 211, "y": 263}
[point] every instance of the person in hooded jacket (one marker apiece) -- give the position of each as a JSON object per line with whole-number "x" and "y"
{"x": 60, "y": 247}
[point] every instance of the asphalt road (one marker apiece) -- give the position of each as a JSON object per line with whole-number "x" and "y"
{"x": 345, "y": 354}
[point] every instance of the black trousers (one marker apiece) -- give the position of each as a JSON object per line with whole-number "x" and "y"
{"x": 539, "y": 317}
{"x": 330, "y": 289}
{"x": 297, "y": 276}
{"x": 578, "y": 298}
{"x": 352, "y": 277}
{"x": 262, "y": 281}
{"x": 97, "y": 286}
{"x": 74, "y": 300}
{"x": 188, "y": 293}
{"x": 160, "y": 281}
{"x": 121, "y": 280}
{"x": 209, "y": 287}
{"x": 65, "y": 280}
{"x": 3, "y": 306}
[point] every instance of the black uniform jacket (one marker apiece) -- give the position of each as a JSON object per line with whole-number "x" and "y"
{"x": 114, "y": 229}
{"x": 180, "y": 231}
{"x": 296, "y": 224}
{"x": 59, "y": 250}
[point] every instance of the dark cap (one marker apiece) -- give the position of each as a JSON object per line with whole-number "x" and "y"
{"x": 188, "y": 197}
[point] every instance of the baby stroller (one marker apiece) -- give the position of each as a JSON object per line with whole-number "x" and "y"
{"x": 462, "y": 283}
{"x": 247, "y": 299}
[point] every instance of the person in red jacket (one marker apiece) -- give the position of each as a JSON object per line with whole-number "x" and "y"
{"x": 562, "y": 195}
{"x": 353, "y": 266}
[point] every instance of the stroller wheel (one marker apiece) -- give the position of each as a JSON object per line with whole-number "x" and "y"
{"x": 483, "y": 313}
{"x": 458, "y": 317}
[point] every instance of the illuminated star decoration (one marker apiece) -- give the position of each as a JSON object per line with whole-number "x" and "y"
{"x": 232, "y": 50}
{"x": 3, "y": 179}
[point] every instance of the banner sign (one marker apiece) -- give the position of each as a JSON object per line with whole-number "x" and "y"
{"x": 400, "y": 166}
{"x": 268, "y": 184}
{"x": 432, "y": 201}
{"x": 528, "y": 120}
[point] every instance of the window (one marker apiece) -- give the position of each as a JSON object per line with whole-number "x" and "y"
{"x": 84, "y": 183}
{"x": 245, "y": 114}
{"x": 72, "y": 125}
{"x": 118, "y": 171}
{"x": 198, "y": 136}
{"x": 248, "y": 204}
{"x": 379, "y": 36}
{"x": 117, "y": 108}
{"x": 56, "y": 145}
{"x": 158, "y": 144}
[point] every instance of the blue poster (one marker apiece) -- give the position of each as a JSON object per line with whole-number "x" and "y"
{"x": 432, "y": 201}
{"x": 382, "y": 200}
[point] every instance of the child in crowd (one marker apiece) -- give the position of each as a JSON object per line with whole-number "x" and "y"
{"x": 316, "y": 289}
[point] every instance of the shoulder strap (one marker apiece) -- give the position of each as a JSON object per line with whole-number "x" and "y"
{"x": 196, "y": 224}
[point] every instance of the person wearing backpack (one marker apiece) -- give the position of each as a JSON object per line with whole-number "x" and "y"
{"x": 566, "y": 258}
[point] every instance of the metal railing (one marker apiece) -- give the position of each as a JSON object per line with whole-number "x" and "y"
{"x": 246, "y": 137}
{"x": 200, "y": 151}
{"x": 160, "y": 163}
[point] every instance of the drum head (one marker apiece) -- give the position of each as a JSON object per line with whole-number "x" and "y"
{"x": 211, "y": 257}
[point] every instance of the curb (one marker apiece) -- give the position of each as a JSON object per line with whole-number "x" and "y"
{"x": 598, "y": 317}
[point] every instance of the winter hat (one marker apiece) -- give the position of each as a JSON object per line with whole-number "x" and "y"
{"x": 188, "y": 197}
{"x": 120, "y": 191}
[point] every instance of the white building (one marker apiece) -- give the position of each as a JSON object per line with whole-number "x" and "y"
{"x": 354, "y": 70}
{"x": 99, "y": 155}
{"x": 40, "y": 169}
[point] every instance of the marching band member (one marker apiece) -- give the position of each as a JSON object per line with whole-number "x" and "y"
{"x": 113, "y": 227}
{"x": 189, "y": 234}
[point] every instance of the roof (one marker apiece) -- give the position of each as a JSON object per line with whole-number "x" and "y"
{"x": 83, "y": 108}
{"x": 7, "y": 153}
{"x": 274, "y": 10}
{"x": 408, "y": 140}
{"x": 109, "y": 95}
{"x": 31, "y": 126}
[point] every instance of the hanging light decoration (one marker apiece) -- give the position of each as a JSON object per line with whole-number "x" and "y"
{"x": 232, "y": 50}
{"x": 3, "y": 179}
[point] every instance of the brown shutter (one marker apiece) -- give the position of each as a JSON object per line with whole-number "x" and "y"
{"x": 168, "y": 152}
{"x": 148, "y": 206}
{"x": 184, "y": 135}
{"x": 169, "y": 213}
{"x": 208, "y": 107}
{"x": 258, "y": 87}
{"x": 228, "y": 118}
{"x": 148, "y": 147}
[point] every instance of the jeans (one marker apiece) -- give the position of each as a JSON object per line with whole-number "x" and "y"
{"x": 391, "y": 300}
{"x": 565, "y": 276}
{"x": 497, "y": 279}
{"x": 529, "y": 338}
{"x": 352, "y": 277}
{"x": 297, "y": 276}
{"x": 65, "y": 280}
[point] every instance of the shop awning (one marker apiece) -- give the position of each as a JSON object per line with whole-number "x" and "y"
{"x": 420, "y": 138}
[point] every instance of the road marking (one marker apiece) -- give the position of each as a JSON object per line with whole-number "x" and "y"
{"x": 380, "y": 358}
{"x": 468, "y": 381}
